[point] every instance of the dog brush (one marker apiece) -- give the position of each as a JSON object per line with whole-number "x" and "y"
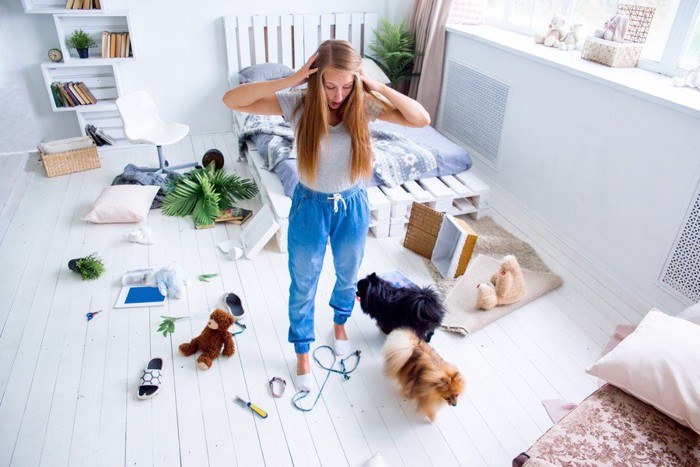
{"x": 254, "y": 408}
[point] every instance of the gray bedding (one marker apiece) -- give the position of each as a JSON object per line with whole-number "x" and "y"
{"x": 400, "y": 153}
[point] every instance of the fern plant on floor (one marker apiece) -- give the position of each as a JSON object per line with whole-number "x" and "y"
{"x": 205, "y": 193}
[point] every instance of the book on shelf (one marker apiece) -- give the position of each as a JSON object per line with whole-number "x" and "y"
{"x": 105, "y": 44}
{"x": 71, "y": 94}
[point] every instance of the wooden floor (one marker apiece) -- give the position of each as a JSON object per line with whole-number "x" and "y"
{"x": 68, "y": 386}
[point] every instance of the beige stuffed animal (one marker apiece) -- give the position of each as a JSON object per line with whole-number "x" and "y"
{"x": 572, "y": 40}
{"x": 555, "y": 33}
{"x": 615, "y": 28}
{"x": 507, "y": 285}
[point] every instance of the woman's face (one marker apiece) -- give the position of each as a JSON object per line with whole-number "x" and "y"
{"x": 337, "y": 85}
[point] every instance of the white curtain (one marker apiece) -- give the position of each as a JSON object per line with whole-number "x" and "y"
{"x": 428, "y": 27}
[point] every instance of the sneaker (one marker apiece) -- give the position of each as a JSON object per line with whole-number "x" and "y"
{"x": 232, "y": 304}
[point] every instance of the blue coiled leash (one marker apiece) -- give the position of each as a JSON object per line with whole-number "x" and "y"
{"x": 343, "y": 371}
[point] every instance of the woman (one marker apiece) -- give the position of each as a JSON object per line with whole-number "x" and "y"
{"x": 330, "y": 120}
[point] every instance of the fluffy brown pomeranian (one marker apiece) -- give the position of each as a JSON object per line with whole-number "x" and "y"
{"x": 423, "y": 375}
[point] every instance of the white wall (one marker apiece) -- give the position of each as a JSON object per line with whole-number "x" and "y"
{"x": 181, "y": 60}
{"x": 610, "y": 173}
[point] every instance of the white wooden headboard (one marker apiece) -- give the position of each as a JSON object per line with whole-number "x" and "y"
{"x": 291, "y": 39}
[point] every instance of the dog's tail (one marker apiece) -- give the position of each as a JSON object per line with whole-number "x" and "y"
{"x": 428, "y": 306}
{"x": 398, "y": 348}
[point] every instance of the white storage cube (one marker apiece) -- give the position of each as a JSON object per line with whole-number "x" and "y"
{"x": 379, "y": 204}
{"x": 397, "y": 227}
{"x": 380, "y": 230}
{"x": 400, "y": 201}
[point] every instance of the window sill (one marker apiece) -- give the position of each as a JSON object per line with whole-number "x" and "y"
{"x": 637, "y": 82}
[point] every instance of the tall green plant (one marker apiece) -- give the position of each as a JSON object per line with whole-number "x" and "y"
{"x": 204, "y": 193}
{"x": 393, "y": 50}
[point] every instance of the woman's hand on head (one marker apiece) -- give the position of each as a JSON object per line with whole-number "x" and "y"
{"x": 370, "y": 83}
{"x": 302, "y": 74}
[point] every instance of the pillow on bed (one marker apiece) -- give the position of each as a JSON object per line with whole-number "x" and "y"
{"x": 692, "y": 314}
{"x": 264, "y": 72}
{"x": 659, "y": 363}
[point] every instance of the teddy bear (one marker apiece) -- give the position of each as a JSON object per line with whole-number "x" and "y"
{"x": 214, "y": 335}
{"x": 572, "y": 40}
{"x": 170, "y": 280}
{"x": 614, "y": 29}
{"x": 554, "y": 34}
{"x": 692, "y": 79}
{"x": 507, "y": 285}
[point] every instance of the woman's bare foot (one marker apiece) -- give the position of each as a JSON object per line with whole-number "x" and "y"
{"x": 339, "y": 331}
{"x": 303, "y": 366}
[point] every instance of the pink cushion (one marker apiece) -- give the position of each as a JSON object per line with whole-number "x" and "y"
{"x": 659, "y": 363}
{"x": 122, "y": 204}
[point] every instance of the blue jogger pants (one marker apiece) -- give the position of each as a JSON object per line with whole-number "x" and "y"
{"x": 313, "y": 219}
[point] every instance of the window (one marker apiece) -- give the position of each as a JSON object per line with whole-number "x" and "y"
{"x": 673, "y": 44}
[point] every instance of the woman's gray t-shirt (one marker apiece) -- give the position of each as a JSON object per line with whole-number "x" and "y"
{"x": 333, "y": 170}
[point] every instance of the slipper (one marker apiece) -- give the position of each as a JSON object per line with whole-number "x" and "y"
{"x": 232, "y": 304}
{"x": 304, "y": 383}
{"x": 151, "y": 379}
{"x": 341, "y": 347}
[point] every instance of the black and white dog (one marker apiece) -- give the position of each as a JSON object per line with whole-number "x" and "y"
{"x": 417, "y": 308}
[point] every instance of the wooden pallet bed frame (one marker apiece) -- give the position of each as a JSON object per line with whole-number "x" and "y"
{"x": 291, "y": 39}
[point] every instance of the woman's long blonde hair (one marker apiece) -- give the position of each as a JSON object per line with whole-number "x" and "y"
{"x": 314, "y": 122}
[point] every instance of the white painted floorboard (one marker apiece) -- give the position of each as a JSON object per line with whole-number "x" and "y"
{"x": 68, "y": 386}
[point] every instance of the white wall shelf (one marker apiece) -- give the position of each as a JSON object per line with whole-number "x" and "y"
{"x": 93, "y": 24}
{"x": 50, "y": 7}
{"x": 101, "y": 78}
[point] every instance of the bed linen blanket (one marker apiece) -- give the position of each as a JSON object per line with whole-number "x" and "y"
{"x": 395, "y": 158}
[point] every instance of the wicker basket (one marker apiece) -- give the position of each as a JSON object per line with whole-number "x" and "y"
{"x": 424, "y": 227}
{"x": 78, "y": 160}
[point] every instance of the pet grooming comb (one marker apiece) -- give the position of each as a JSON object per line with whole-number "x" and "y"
{"x": 254, "y": 408}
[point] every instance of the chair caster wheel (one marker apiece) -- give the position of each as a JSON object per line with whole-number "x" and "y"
{"x": 215, "y": 156}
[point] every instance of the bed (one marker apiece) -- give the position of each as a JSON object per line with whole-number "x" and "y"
{"x": 290, "y": 40}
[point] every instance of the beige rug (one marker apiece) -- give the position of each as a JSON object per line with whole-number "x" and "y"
{"x": 462, "y": 315}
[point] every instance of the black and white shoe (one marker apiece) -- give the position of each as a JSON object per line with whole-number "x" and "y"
{"x": 232, "y": 304}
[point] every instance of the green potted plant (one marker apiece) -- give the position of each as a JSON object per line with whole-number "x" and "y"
{"x": 81, "y": 41}
{"x": 205, "y": 193}
{"x": 89, "y": 267}
{"x": 393, "y": 50}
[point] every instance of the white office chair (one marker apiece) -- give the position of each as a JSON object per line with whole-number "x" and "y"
{"x": 142, "y": 124}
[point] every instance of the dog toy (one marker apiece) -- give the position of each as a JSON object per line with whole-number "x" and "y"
{"x": 507, "y": 285}
{"x": 143, "y": 235}
{"x": 170, "y": 280}
{"x": 214, "y": 335}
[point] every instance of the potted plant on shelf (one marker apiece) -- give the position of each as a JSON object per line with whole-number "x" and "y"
{"x": 393, "y": 50}
{"x": 205, "y": 193}
{"x": 81, "y": 41}
{"x": 89, "y": 267}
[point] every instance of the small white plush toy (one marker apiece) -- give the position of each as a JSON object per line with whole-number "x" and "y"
{"x": 170, "y": 280}
{"x": 554, "y": 34}
{"x": 572, "y": 40}
{"x": 692, "y": 79}
{"x": 614, "y": 29}
{"x": 142, "y": 235}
